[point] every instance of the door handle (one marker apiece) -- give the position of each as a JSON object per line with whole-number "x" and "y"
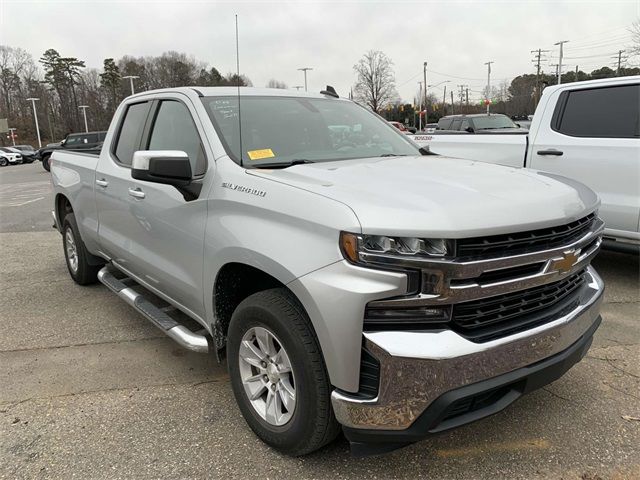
{"x": 136, "y": 192}
{"x": 551, "y": 151}
{"x": 102, "y": 182}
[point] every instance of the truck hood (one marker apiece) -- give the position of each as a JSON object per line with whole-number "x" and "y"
{"x": 434, "y": 196}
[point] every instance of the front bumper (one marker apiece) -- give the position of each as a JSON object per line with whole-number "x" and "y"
{"x": 420, "y": 369}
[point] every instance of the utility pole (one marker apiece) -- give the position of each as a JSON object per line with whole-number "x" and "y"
{"x": 13, "y": 135}
{"x": 424, "y": 72}
{"x": 131, "y": 78}
{"x": 488, "y": 64}
{"x": 453, "y": 108}
{"x": 305, "y": 69}
{"x": 467, "y": 93}
{"x": 420, "y": 107}
{"x": 35, "y": 117}
{"x": 620, "y": 52}
{"x": 561, "y": 43}
{"x": 84, "y": 114}
{"x": 461, "y": 87}
{"x": 537, "y": 60}
{"x": 444, "y": 101}
{"x": 555, "y": 65}
{"x": 576, "y": 73}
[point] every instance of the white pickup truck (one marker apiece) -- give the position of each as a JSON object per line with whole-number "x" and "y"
{"x": 588, "y": 131}
{"x": 348, "y": 280}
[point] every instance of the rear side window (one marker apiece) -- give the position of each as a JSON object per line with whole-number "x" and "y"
{"x": 444, "y": 123}
{"x": 456, "y": 124}
{"x": 173, "y": 129}
{"x": 130, "y": 132}
{"x": 610, "y": 112}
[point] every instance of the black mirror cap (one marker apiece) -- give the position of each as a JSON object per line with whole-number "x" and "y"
{"x": 174, "y": 171}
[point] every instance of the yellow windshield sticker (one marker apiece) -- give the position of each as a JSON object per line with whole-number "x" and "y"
{"x": 260, "y": 154}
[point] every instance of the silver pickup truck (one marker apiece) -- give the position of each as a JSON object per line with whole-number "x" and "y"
{"x": 348, "y": 280}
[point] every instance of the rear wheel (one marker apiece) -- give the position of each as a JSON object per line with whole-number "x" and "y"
{"x": 278, "y": 374}
{"x": 45, "y": 163}
{"x": 76, "y": 254}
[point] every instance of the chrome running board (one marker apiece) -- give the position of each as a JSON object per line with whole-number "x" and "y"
{"x": 159, "y": 316}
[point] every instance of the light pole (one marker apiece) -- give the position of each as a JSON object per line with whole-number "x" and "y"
{"x": 488, "y": 64}
{"x": 304, "y": 69}
{"x": 433, "y": 85}
{"x": 424, "y": 72}
{"x": 131, "y": 77}
{"x": 420, "y": 106}
{"x": 84, "y": 113}
{"x": 561, "y": 43}
{"x": 35, "y": 117}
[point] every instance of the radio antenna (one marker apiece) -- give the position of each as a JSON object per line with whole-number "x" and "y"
{"x": 238, "y": 84}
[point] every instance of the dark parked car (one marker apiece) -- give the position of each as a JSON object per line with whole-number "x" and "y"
{"x": 28, "y": 153}
{"x": 73, "y": 141}
{"x": 479, "y": 123}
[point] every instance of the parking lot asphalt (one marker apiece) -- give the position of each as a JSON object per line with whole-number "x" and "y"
{"x": 89, "y": 389}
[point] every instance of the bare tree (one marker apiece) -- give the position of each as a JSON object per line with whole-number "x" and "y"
{"x": 375, "y": 85}
{"x": 273, "y": 83}
{"x": 634, "y": 48}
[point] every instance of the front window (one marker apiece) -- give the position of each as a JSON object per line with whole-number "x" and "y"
{"x": 282, "y": 130}
{"x": 493, "y": 121}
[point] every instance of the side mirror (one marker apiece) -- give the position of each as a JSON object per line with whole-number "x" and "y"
{"x": 171, "y": 167}
{"x": 518, "y": 125}
{"x": 469, "y": 129}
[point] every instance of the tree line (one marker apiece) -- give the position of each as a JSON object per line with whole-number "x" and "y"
{"x": 62, "y": 84}
{"x": 375, "y": 87}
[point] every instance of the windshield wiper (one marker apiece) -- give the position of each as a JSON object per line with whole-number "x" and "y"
{"x": 392, "y": 155}
{"x": 297, "y": 161}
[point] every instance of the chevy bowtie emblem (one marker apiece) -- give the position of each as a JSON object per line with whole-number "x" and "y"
{"x": 566, "y": 263}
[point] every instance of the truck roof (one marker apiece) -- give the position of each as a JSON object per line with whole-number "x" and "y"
{"x": 233, "y": 92}
{"x": 594, "y": 83}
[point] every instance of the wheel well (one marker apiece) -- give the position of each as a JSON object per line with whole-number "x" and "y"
{"x": 63, "y": 206}
{"x": 234, "y": 283}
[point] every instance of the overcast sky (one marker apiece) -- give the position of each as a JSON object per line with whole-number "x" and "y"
{"x": 276, "y": 38}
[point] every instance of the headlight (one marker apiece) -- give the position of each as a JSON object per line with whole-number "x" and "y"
{"x": 378, "y": 249}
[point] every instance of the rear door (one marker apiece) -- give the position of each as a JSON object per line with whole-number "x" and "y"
{"x": 594, "y": 137}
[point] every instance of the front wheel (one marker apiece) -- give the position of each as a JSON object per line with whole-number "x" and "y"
{"x": 278, "y": 374}
{"x": 4, "y": 162}
{"x": 45, "y": 163}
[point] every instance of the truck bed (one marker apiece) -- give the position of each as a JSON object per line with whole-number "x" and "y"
{"x": 501, "y": 148}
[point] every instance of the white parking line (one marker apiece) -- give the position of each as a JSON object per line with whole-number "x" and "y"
{"x": 19, "y": 194}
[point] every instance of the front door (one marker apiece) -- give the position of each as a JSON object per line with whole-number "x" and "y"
{"x": 149, "y": 229}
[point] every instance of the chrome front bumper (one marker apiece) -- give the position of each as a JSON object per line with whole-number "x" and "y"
{"x": 418, "y": 367}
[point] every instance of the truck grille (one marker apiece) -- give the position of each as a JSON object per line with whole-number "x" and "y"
{"x": 493, "y": 317}
{"x": 521, "y": 242}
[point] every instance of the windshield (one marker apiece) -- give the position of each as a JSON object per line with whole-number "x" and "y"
{"x": 282, "y": 130}
{"x": 493, "y": 121}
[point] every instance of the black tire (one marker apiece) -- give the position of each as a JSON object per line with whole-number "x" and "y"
{"x": 45, "y": 163}
{"x": 4, "y": 162}
{"x": 313, "y": 423}
{"x": 84, "y": 272}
